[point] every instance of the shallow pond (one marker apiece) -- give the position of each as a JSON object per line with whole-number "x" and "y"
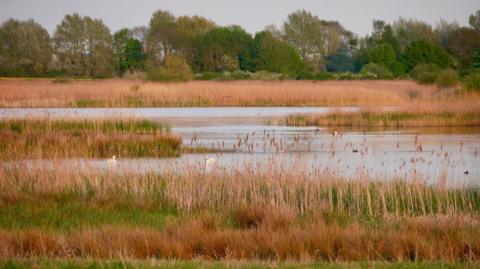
{"x": 251, "y": 137}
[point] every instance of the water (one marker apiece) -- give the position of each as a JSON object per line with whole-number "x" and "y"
{"x": 251, "y": 137}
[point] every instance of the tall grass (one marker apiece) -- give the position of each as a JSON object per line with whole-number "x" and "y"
{"x": 221, "y": 191}
{"x": 46, "y": 138}
{"x": 120, "y": 93}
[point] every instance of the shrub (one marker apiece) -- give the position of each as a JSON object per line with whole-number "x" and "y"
{"x": 323, "y": 76}
{"x": 368, "y": 75}
{"x": 425, "y": 73}
{"x": 175, "y": 68}
{"x": 345, "y": 76}
{"x": 447, "y": 78}
{"x": 472, "y": 82}
{"x": 134, "y": 75}
{"x": 264, "y": 75}
{"x": 240, "y": 75}
{"x": 379, "y": 71}
{"x": 61, "y": 80}
{"x": 207, "y": 76}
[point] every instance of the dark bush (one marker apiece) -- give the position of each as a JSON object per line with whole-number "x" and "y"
{"x": 425, "y": 73}
{"x": 472, "y": 82}
{"x": 447, "y": 78}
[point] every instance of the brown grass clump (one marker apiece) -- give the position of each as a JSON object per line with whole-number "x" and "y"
{"x": 431, "y": 238}
{"x": 121, "y": 93}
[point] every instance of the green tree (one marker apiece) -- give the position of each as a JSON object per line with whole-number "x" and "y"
{"x": 410, "y": 30}
{"x": 272, "y": 54}
{"x": 70, "y": 45}
{"x": 162, "y": 36}
{"x": 99, "y": 48}
{"x": 128, "y": 52}
{"x": 474, "y": 20}
{"x": 385, "y": 55}
{"x": 313, "y": 38}
{"x": 169, "y": 35}
{"x": 134, "y": 57}
{"x": 444, "y": 31}
{"x": 175, "y": 68}
{"x": 423, "y": 52}
{"x": 224, "y": 49}
{"x": 342, "y": 61}
{"x": 381, "y": 48}
{"x": 120, "y": 39}
{"x": 476, "y": 61}
{"x": 83, "y": 46}
{"x": 463, "y": 45}
{"x": 25, "y": 48}
{"x": 190, "y": 30}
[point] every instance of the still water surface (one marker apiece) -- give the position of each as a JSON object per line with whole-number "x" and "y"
{"x": 252, "y": 137}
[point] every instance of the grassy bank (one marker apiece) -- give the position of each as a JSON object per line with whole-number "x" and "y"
{"x": 46, "y": 138}
{"x": 233, "y": 215}
{"x": 124, "y": 93}
{"x": 389, "y": 119}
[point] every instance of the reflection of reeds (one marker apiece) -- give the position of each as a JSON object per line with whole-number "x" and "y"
{"x": 235, "y": 214}
{"x": 44, "y": 138}
{"x": 118, "y": 93}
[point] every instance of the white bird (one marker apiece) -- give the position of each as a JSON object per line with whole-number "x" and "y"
{"x": 112, "y": 161}
{"x": 210, "y": 161}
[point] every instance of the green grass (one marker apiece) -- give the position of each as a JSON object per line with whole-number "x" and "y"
{"x": 165, "y": 264}
{"x": 68, "y": 213}
{"x": 110, "y": 126}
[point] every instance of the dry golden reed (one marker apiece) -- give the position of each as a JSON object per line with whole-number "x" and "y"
{"x": 117, "y": 93}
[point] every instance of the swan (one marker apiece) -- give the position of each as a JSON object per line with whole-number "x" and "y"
{"x": 209, "y": 162}
{"x": 112, "y": 161}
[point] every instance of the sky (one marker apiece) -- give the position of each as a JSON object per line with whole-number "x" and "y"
{"x": 252, "y": 15}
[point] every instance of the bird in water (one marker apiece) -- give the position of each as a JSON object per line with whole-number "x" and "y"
{"x": 466, "y": 172}
{"x": 355, "y": 150}
{"x": 209, "y": 162}
{"x": 113, "y": 160}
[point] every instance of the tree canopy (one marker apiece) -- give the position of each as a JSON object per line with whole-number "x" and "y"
{"x": 25, "y": 48}
{"x": 83, "y": 46}
{"x": 304, "y": 46}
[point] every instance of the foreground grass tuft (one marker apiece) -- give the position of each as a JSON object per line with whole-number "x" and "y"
{"x": 165, "y": 264}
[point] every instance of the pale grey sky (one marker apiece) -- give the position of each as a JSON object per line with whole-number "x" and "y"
{"x": 253, "y": 15}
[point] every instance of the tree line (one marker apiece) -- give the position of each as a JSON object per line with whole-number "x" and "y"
{"x": 175, "y": 48}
